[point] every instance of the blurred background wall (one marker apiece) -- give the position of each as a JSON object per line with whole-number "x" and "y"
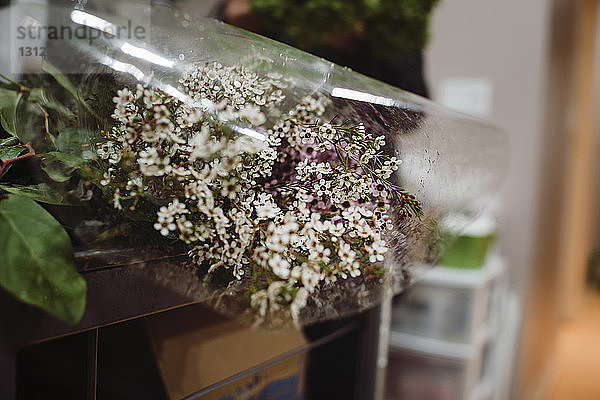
{"x": 531, "y": 65}
{"x": 505, "y": 46}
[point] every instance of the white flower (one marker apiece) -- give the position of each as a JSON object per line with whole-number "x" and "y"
{"x": 211, "y": 74}
{"x": 265, "y": 207}
{"x": 230, "y": 188}
{"x": 321, "y": 253}
{"x": 273, "y": 292}
{"x": 151, "y": 164}
{"x": 260, "y": 301}
{"x": 165, "y": 225}
{"x": 299, "y": 303}
{"x": 202, "y": 145}
{"x": 337, "y": 227}
{"x": 108, "y": 151}
{"x": 327, "y": 131}
{"x": 253, "y": 115}
{"x": 116, "y": 200}
{"x": 310, "y": 278}
{"x": 315, "y": 222}
{"x": 123, "y": 97}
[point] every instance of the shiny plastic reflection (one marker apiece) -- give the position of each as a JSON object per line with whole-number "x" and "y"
{"x": 294, "y": 190}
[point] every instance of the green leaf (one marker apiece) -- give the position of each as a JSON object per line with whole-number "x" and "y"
{"x": 79, "y": 142}
{"x": 37, "y": 260}
{"x": 59, "y": 77}
{"x": 57, "y": 169}
{"x": 9, "y": 100}
{"x": 65, "y": 83}
{"x": 10, "y": 141}
{"x": 45, "y": 99}
{"x": 61, "y": 166}
{"x": 29, "y": 123}
{"x": 10, "y": 148}
{"x": 42, "y": 192}
{"x": 8, "y": 152}
{"x": 21, "y": 119}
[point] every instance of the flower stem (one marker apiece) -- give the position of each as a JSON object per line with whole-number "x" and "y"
{"x": 6, "y": 163}
{"x": 22, "y": 88}
{"x": 46, "y": 122}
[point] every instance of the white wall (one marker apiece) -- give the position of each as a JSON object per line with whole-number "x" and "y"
{"x": 506, "y": 43}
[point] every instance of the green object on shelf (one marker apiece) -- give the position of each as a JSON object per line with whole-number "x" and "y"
{"x": 467, "y": 252}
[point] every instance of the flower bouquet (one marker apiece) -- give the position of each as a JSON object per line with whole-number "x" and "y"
{"x": 297, "y": 190}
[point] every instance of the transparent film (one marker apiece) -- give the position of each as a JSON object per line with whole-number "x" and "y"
{"x": 234, "y": 170}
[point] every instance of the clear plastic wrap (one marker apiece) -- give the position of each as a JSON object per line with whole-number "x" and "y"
{"x": 270, "y": 184}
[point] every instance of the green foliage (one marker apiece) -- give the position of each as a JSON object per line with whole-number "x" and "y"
{"x": 98, "y": 88}
{"x": 9, "y": 141}
{"x": 10, "y": 148}
{"x": 78, "y": 142}
{"x": 390, "y": 27}
{"x": 9, "y": 99}
{"x": 309, "y": 22}
{"x": 399, "y": 26}
{"x": 66, "y": 84}
{"x": 37, "y": 260}
{"x": 8, "y": 152}
{"x": 61, "y": 166}
{"x": 29, "y": 125}
{"x": 42, "y": 192}
{"x": 60, "y": 78}
{"x": 44, "y": 98}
